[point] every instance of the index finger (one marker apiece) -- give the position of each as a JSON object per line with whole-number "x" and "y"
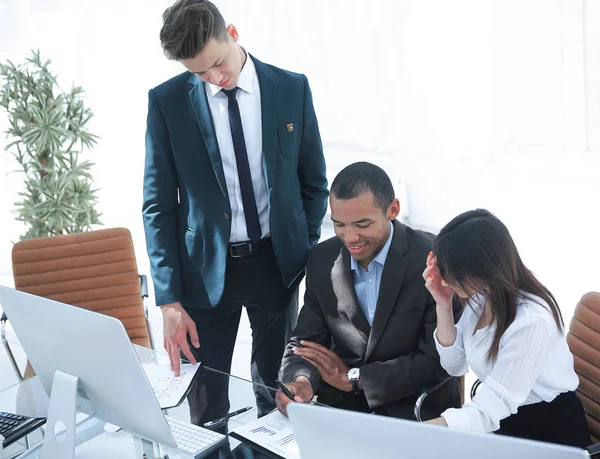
{"x": 174, "y": 357}
{"x": 168, "y": 349}
{"x": 427, "y": 271}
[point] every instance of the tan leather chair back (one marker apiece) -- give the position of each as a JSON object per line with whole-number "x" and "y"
{"x": 584, "y": 342}
{"x": 95, "y": 270}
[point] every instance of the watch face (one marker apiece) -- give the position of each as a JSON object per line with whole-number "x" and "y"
{"x": 353, "y": 373}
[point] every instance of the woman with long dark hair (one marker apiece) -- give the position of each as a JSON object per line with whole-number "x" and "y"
{"x": 511, "y": 335}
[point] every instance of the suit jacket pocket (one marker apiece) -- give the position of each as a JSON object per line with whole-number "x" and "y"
{"x": 289, "y": 135}
{"x": 194, "y": 246}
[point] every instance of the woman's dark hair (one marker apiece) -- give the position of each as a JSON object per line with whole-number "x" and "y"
{"x": 475, "y": 252}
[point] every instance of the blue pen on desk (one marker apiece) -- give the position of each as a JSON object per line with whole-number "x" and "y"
{"x": 224, "y": 418}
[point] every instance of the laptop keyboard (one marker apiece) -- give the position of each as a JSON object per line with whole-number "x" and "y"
{"x": 194, "y": 440}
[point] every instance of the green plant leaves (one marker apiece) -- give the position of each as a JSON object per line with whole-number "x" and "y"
{"x": 47, "y": 134}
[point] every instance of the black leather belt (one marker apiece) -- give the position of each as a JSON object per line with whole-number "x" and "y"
{"x": 246, "y": 249}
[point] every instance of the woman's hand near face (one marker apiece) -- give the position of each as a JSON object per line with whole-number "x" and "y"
{"x": 433, "y": 282}
{"x": 446, "y": 330}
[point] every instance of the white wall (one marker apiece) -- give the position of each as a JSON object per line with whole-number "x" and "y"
{"x": 592, "y": 72}
{"x": 475, "y": 103}
{"x": 112, "y": 49}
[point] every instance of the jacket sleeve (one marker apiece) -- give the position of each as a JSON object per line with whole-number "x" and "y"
{"x": 311, "y": 170}
{"x": 311, "y": 326}
{"x": 160, "y": 205}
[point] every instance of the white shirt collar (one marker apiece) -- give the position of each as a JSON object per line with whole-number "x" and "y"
{"x": 246, "y": 80}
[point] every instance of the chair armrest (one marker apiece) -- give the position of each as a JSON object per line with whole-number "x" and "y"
{"x": 593, "y": 449}
{"x": 3, "y": 321}
{"x": 7, "y": 348}
{"x": 474, "y": 388}
{"x": 144, "y": 295}
{"x": 425, "y": 392}
{"x": 144, "y": 285}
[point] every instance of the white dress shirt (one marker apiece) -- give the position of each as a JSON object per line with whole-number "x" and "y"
{"x": 534, "y": 364}
{"x": 248, "y": 97}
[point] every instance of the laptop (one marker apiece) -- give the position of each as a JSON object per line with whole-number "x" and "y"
{"x": 333, "y": 433}
{"x": 96, "y": 348}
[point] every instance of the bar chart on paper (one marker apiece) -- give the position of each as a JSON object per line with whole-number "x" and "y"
{"x": 263, "y": 430}
{"x": 272, "y": 432}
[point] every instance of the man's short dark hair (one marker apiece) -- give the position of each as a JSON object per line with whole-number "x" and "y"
{"x": 188, "y": 26}
{"x": 359, "y": 178}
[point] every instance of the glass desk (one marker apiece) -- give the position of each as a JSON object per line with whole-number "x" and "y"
{"x": 29, "y": 399}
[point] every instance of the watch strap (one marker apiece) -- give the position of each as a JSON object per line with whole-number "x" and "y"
{"x": 355, "y": 386}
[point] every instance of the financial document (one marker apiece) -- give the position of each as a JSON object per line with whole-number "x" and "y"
{"x": 168, "y": 388}
{"x": 273, "y": 432}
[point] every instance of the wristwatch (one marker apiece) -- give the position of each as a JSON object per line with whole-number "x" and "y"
{"x": 353, "y": 375}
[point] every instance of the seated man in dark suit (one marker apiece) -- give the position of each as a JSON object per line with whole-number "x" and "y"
{"x": 364, "y": 339}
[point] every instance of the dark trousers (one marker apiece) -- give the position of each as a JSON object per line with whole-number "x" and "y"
{"x": 560, "y": 421}
{"x": 255, "y": 282}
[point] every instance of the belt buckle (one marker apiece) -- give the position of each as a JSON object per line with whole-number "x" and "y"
{"x": 240, "y": 250}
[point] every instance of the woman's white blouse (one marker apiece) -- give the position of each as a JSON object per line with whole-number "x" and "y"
{"x": 534, "y": 364}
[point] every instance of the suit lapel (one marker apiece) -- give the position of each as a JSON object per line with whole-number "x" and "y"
{"x": 199, "y": 103}
{"x": 343, "y": 288}
{"x": 268, "y": 99}
{"x": 392, "y": 278}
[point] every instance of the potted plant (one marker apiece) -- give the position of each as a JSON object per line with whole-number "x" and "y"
{"x": 47, "y": 134}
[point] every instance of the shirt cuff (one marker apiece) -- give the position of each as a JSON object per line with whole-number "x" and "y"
{"x": 485, "y": 411}
{"x": 457, "y": 418}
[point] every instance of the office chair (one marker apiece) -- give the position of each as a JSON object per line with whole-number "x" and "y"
{"x": 95, "y": 270}
{"x": 584, "y": 342}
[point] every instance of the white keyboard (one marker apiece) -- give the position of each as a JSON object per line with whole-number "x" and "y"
{"x": 193, "y": 440}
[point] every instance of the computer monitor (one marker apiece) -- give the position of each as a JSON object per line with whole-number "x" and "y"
{"x": 95, "y": 348}
{"x": 329, "y": 432}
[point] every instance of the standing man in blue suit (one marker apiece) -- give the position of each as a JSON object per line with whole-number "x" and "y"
{"x": 234, "y": 196}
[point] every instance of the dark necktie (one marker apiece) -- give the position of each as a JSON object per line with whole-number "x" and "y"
{"x": 243, "y": 167}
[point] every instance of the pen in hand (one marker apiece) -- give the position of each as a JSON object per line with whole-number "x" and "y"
{"x": 284, "y": 389}
{"x": 224, "y": 418}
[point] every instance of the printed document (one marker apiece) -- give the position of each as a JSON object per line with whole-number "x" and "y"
{"x": 169, "y": 389}
{"x": 272, "y": 432}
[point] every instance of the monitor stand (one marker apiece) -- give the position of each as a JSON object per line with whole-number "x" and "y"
{"x": 59, "y": 439}
{"x": 62, "y": 436}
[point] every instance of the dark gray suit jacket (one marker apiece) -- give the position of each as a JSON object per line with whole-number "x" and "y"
{"x": 397, "y": 355}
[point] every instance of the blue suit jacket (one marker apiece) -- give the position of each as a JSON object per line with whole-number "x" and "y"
{"x": 186, "y": 206}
